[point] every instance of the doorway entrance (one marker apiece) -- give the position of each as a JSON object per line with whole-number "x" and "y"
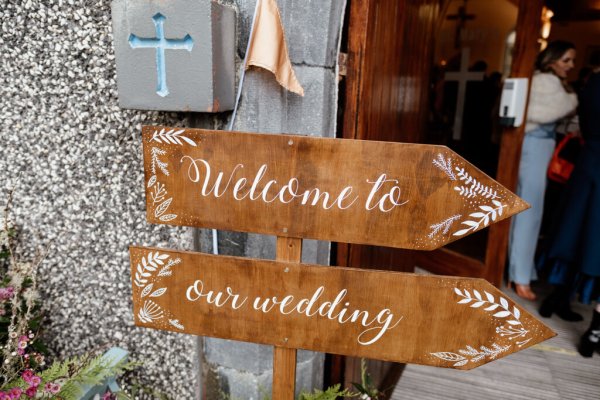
{"x": 392, "y": 47}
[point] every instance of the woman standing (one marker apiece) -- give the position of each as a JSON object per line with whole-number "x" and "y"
{"x": 575, "y": 252}
{"x": 550, "y": 100}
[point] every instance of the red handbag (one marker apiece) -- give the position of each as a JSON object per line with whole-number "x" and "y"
{"x": 564, "y": 157}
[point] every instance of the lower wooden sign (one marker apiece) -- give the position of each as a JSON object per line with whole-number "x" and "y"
{"x": 432, "y": 320}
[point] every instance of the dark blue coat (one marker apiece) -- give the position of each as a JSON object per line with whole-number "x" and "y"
{"x": 576, "y": 241}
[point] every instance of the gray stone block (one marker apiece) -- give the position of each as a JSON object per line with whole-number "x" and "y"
{"x": 312, "y": 29}
{"x": 289, "y": 113}
{"x": 174, "y": 55}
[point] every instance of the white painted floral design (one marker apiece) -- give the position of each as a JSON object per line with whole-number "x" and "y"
{"x": 176, "y": 324}
{"x": 443, "y": 226}
{"x": 171, "y": 137}
{"x": 511, "y": 328}
{"x": 445, "y": 164}
{"x": 158, "y": 191}
{"x": 149, "y": 271}
{"x": 469, "y": 353}
{"x": 150, "y": 312}
{"x": 148, "y": 265}
{"x": 472, "y": 187}
{"x": 476, "y": 193}
{"x": 482, "y": 218}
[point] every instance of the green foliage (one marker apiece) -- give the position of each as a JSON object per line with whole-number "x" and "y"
{"x": 366, "y": 387}
{"x": 22, "y": 354}
{"x": 90, "y": 371}
{"x": 332, "y": 393}
{"x": 56, "y": 371}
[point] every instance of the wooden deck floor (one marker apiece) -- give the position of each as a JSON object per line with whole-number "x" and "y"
{"x": 551, "y": 370}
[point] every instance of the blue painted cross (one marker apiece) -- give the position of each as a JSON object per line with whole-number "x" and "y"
{"x": 160, "y": 43}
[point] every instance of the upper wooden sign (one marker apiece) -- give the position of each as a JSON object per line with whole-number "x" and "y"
{"x": 440, "y": 321}
{"x": 411, "y": 196}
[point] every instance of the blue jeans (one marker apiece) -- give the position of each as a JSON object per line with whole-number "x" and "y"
{"x": 538, "y": 146}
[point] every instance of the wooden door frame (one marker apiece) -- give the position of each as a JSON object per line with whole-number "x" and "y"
{"x": 445, "y": 261}
{"x": 356, "y": 126}
{"x": 368, "y": 107}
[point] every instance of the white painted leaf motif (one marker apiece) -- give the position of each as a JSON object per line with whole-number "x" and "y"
{"x": 496, "y": 203}
{"x": 461, "y": 232}
{"x": 139, "y": 281}
{"x": 172, "y": 138}
{"x": 516, "y": 313}
{"x": 159, "y": 292}
{"x": 449, "y": 356}
{"x": 152, "y": 181}
{"x": 502, "y": 314}
{"x": 163, "y": 256}
{"x": 513, "y": 329}
{"x": 141, "y": 271}
{"x": 470, "y": 223}
{"x": 189, "y": 141}
{"x": 147, "y": 290}
{"x": 486, "y": 208}
{"x": 168, "y": 217}
{"x": 461, "y": 363}
{"x": 160, "y": 210}
{"x": 477, "y": 215}
{"x": 445, "y": 165}
{"x": 151, "y": 266}
{"x": 176, "y": 324}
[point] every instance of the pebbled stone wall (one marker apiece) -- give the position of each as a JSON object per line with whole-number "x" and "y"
{"x": 74, "y": 160}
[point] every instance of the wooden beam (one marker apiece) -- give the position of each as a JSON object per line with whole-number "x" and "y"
{"x": 284, "y": 359}
{"x": 524, "y": 54}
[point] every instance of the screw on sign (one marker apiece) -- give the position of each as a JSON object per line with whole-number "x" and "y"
{"x": 402, "y": 195}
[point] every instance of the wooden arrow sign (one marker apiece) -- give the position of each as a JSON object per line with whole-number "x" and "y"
{"x": 439, "y": 321}
{"x": 412, "y": 196}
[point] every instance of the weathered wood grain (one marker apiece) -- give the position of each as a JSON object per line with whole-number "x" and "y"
{"x": 440, "y": 321}
{"x": 284, "y": 359}
{"x": 391, "y": 194}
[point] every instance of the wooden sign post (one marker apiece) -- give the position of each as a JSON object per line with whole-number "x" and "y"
{"x": 391, "y": 194}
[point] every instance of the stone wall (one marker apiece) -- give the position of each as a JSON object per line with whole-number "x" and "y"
{"x": 74, "y": 160}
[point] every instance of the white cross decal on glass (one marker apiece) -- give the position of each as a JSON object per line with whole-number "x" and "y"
{"x": 462, "y": 77}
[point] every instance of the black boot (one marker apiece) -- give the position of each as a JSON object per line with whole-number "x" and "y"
{"x": 559, "y": 303}
{"x": 591, "y": 337}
